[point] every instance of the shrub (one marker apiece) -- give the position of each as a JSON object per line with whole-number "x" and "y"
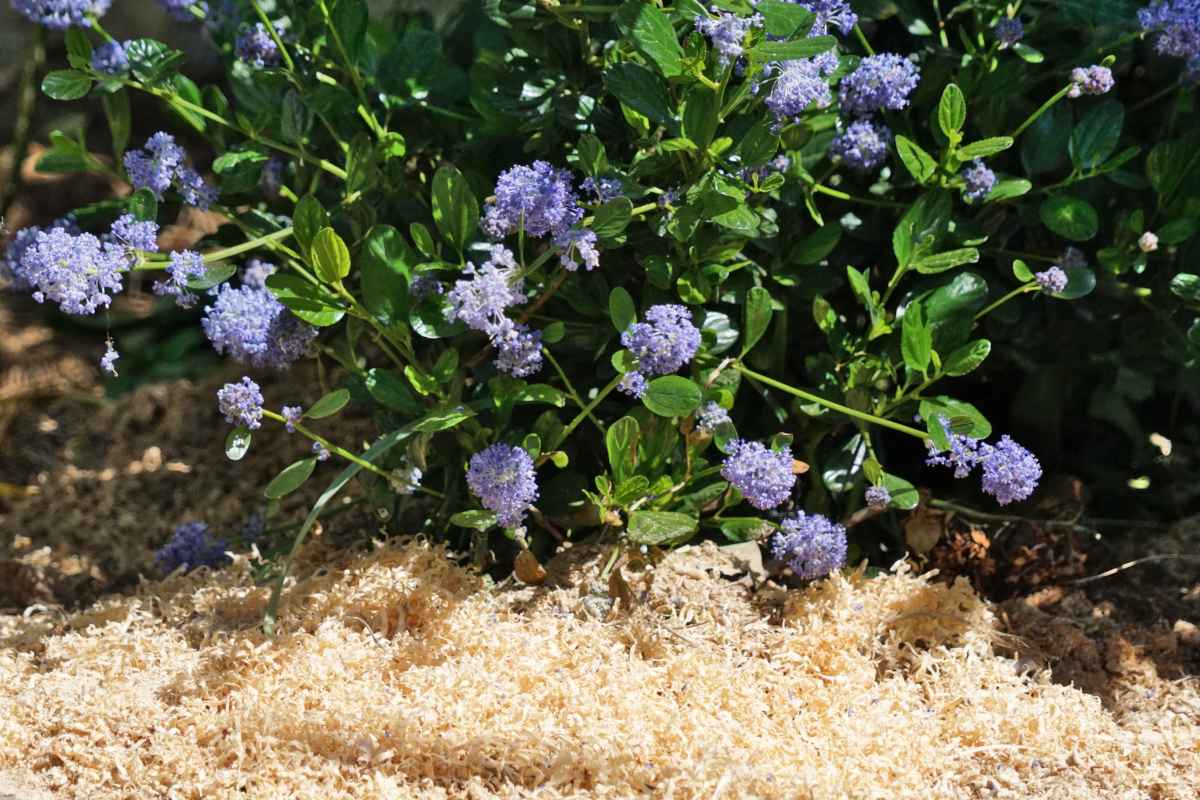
{"x": 617, "y": 268}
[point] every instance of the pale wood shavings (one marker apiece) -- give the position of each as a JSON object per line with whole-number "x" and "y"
{"x": 397, "y": 674}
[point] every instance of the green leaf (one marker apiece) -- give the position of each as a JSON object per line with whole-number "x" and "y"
{"x": 1009, "y": 188}
{"x": 613, "y": 218}
{"x": 985, "y": 147}
{"x": 1021, "y": 271}
{"x": 79, "y": 48}
{"x": 66, "y": 84}
{"x": 787, "y": 51}
{"x": 291, "y": 479}
{"x": 700, "y": 111}
{"x": 455, "y": 209}
{"x": 904, "y": 495}
{"x": 964, "y": 418}
{"x": 967, "y": 358}
{"x": 385, "y": 267}
{"x": 783, "y": 20}
{"x": 328, "y": 405}
{"x": 1044, "y": 143}
{"x": 759, "y": 144}
{"x": 916, "y": 339}
{"x": 309, "y": 218}
{"x": 621, "y": 441}
{"x": 919, "y": 163}
{"x": 950, "y": 310}
{"x": 476, "y": 520}
{"x": 1186, "y": 286}
{"x": 1080, "y": 283}
{"x": 621, "y": 309}
{"x": 294, "y": 117}
{"x": 1028, "y": 53}
{"x": 940, "y": 262}
{"x": 1070, "y": 217}
{"x": 815, "y": 247}
{"x": 672, "y": 396}
{"x": 349, "y": 18}
{"x": 143, "y": 205}
{"x": 554, "y": 332}
{"x": 152, "y": 61}
{"x": 390, "y": 391}
{"x": 592, "y": 157}
{"x": 330, "y": 256}
{"x": 1178, "y": 231}
{"x": 652, "y": 34}
{"x": 640, "y": 89}
{"x": 120, "y": 123}
{"x": 541, "y": 393}
{"x": 758, "y": 317}
{"x": 213, "y": 275}
{"x": 745, "y": 529}
{"x": 952, "y": 111}
{"x": 1095, "y": 137}
{"x": 308, "y": 302}
{"x": 631, "y": 489}
{"x": 661, "y": 527}
{"x": 237, "y": 443}
{"x": 442, "y": 419}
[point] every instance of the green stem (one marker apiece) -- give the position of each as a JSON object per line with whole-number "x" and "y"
{"x": 862, "y": 39}
{"x": 586, "y": 412}
{"x": 1022, "y": 289}
{"x": 1059, "y": 95}
{"x": 355, "y": 77}
{"x": 570, "y": 388}
{"x": 226, "y": 252}
{"x": 173, "y": 99}
{"x": 813, "y": 398}
{"x": 867, "y": 201}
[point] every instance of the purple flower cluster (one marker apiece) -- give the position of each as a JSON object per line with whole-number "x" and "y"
{"x": 712, "y": 416}
{"x": 1177, "y": 23}
{"x": 764, "y": 476}
{"x": 61, "y": 14}
{"x": 603, "y": 189}
{"x": 881, "y": 82}
{"x": 577, "y": 243}
{"x": 800, "y": 85}
{"x": 518, "y": 349}
{"x": 191, "y": 545}
{"x": 778, "y": 164}
{"x": 257, "y": 47}
{"x": 291, "y": 417}
{"x": 1010, "y": 472}
{"x": 661, "y": 345}
{"x": 108, "y": 361}
{"x": 320, "y": 451}
{"x": 480, "y": 301}
{"x": 727, "y": 32}
{"x": 135, "y": 234}
{"x": 878, "y": 497}
{"x": 811, "y": 545}
{"x": 185, "y": 266}
{"x": 1051, "y": 281}
{"x": 77, "y": 271}
{"x": 159, "y": 166}
{"x": 537, "y": 197}
{"x": 862, "y": 145}
{"x": 250, "y": 325}
{"x": 979, "y": 181}
{"x": 181, "y": 10}
{"x": 633, "y": 384}
{"x": 1008, "y": 31}
{"x": 110, "y": 58}
{"x": 830, "y": 12}
{"x": 1091, "y": 80}
{"x": 503, "y": 479}
{"x": 405, "y": 480}
{"x": 241, "y": 403}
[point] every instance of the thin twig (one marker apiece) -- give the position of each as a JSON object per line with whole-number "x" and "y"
{"x": 1131, "y": 564}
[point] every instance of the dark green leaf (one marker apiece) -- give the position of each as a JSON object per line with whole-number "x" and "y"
{"x": 916, "y": 339}
{"x": 783, "y": 20}
{"x": 330, "y": 256}
{"x": 455, "y": 209}
{"x": 640, "y": 89}
{"x": 621, "y": 441}
{"x": 1095, "y": 137}
{"x": 423, "y": 239}
{"x": 1178, "y": 231}
{"x": 294, "y": 117}
{"x": 758, "y": 317}
{"x": 672, "y": 396}
{"x": 390, "y": 391}
{"x": 237, "y": 443}
{"x": 143, "y": 205}
{"x": 592, "y": 157}
{"x": 621, "y": 309}
{"x": 815, "y": 247}
{"x": 309, "y": 218}
{"x": 1080, "y": 282}
{"x": 443, "y": 419}
{"x": 918, "y": 162}
{"x": 1070, "y": 217}
{"x": 952, "y": 111}
{"x": 329, "y": 404}
{"x": 66, "y": 84}
{"x": 652, "y": 34}
{"x": 985, "y": 147}
{"x": 151, "y": 61}
{"x": 214, "y": 274}
{"x": 1044, "y": 144}
{"x": 613, "y": 218}
{"x": 661, "y": 527}
{"x": 940, "y": 262}
{"x": 291, "y": 479}
{"x": 79, "y": 48}
{"x": 700, "y": 111}
{"x": 116, "y": 110}
{"x": 787, "y": 51}
{"x": 967, "y": 358}
{"x": 385, "y": 266}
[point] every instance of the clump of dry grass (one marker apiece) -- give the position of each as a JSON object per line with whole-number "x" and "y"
{"x": 398, "y": 674}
